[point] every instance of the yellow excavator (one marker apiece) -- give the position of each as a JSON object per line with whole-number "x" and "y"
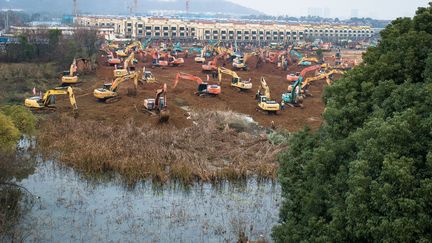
{"x": 124, "y": 70}
{"x": 125, "y": 52}
{"x": 236, "y": 81}
{"x": 325, "y": 75}
{"x": 47, "y": 101}
{"x": 109, "y": 92}
{"x": 158, "y": 104}
{"x": 264, "y": 100}
{"x": 70, "y": 77}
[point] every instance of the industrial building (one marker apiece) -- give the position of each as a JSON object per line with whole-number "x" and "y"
{"x": 171, "y": 28}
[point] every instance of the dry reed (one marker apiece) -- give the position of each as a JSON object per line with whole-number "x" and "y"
{"x": 208, "y": 151}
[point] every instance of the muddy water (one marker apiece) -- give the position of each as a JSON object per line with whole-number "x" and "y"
{"x": 75, "y": 209}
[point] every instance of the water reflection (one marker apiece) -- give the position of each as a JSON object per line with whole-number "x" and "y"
{"x": 74, "y": 208}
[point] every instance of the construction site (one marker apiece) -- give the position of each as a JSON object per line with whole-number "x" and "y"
{"x": 184, "y": 98}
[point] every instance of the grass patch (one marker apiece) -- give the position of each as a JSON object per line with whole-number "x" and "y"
{"x": 203, "y": 152}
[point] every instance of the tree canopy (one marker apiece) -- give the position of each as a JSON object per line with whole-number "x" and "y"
{"x": 366, "y": 175}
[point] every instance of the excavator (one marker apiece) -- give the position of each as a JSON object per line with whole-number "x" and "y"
{"x": 212, "y": 65}
{"x": 109, "y": 92}
{"x": 156, "y": 62}
{"x": 201, "y": 57}
{"x": 127, "y": 62}
{"x": 236, "y": 81}
{"x": 174, "y": 62}
{"x": 125, "y": 52}
{"x": 293, "y": 96}
{"x": 203, "y": 88}
{"x": 327, "y": 76}
{"x": 49, "y": 98}
{"x": 70, "y": 77}
{"x": 307, "y": 61}
{"x": 264, "y": 100}
{"x": 158, "y": 104}
{"x": 239, "y": 63}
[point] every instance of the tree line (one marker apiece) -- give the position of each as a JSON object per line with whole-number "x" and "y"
{"x": 366, "y": 174}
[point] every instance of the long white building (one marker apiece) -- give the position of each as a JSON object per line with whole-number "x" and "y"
{"x": 165, "y": 28}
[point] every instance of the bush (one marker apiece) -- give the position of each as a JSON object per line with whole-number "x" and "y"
{"x": 9, "y": 134}
{"x": 22, "y": 118}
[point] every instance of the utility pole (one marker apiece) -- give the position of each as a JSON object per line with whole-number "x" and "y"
{"x": 75, "y": 8}
{"x": 135, "y": 7}
{"x": 7, "y": 21}
{"x": 187, "y": 7}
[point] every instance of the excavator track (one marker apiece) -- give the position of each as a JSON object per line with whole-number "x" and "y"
{"x": 112, "y": 100}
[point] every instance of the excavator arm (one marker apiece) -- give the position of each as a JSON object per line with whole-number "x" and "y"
{"x": 186, "y": 77}
{"x": 73, "y": 68}
{"x": 265, "y": 88}
{"x": 53, "y": 92}
{"x": 120, "y": 80}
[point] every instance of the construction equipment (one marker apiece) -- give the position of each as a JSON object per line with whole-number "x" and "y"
{"x": 305, "y": 84}
{"x": 240, "y": 63}
{"x": 203, "y": 88}
{"x": 158, "y": 104}
{"x": 293, "y": 97}
{"x": 156, "y": 62}
{"x": 307, "y": 61}
{"x": 173, "y": 61}
{"x": 293, "y": 77}
{"x": 148, "y": 77}
{"x": 125, "y": 69}
{"x": 47, "y": 101}
{"x": 212, "y": 65}
{"x": 264, "y": 100}
{"x": 70, "y": 77}
{"x": 236, "y": 81}
{"x": 109, "y": 92}
{"x": 201, "y": 58}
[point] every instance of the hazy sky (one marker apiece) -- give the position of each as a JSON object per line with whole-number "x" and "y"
{"x": 380, "y": 9}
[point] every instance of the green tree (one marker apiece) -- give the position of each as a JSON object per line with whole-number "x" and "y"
{"x": 365, "y": 176}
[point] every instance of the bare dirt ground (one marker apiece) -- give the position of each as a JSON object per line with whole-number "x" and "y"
{"x": 292, "y": 119}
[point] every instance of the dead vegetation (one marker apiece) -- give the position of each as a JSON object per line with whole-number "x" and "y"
{"x": 220, "y": 145}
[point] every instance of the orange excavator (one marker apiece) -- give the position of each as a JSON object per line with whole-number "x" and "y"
{"x": 212, "y": 65}
{"x": 156, "y": 62}
{"x": 203, "y": 88}
{"x": 173, "y": 61}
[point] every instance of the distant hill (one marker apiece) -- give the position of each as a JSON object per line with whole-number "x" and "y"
{"x": 121, "y": 6}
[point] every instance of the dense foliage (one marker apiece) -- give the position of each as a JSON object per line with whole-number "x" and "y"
{"x": 14, "y": 121}
{"x": 366, "y": 175}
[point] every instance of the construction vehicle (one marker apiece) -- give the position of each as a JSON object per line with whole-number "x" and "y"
{"x": 307, "y": 61}
{"x": 293, "y": 97}
{"x": 203, "y": 88}
{"x": 109, "y": 92}
{"x": 156, "y": 62}
{"x": 47, "y": 101}
{"x": 173, "y": 61}
{"x": 265, "y": 103}
{"x": 148, "y": 77}
{"x": 201, "y": 58}
{"x": 70, "y": 77}
{"x": 293, "y": 77}
{"x": 240, "y": 63}
{"x": 158, "y": 104}
{"x": 125, "y": 69}
{"x": 236, "y": 81}
{"x": 212, "y": 65}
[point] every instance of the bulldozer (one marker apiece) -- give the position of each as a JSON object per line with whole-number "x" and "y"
{"x": 47, "y": 101}
{"x": 158, "y": 104}
{"x": 70, "y": 77}
{"x": 236, "y": 81}
{"x": 203, "y": 88}
{"x": 264, "y": 100}
{"x": 109, "y": 92}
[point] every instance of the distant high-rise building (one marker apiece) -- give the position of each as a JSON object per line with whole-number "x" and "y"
{"x": 326, "y": 13}
{"x": 354, "y": 13}
{"x": 315, "y": 12}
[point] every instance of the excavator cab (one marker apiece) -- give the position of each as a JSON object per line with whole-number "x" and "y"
{"x": 202, "y": 88}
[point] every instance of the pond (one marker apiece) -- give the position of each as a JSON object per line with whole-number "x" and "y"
{"x": 71, "y": 207}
